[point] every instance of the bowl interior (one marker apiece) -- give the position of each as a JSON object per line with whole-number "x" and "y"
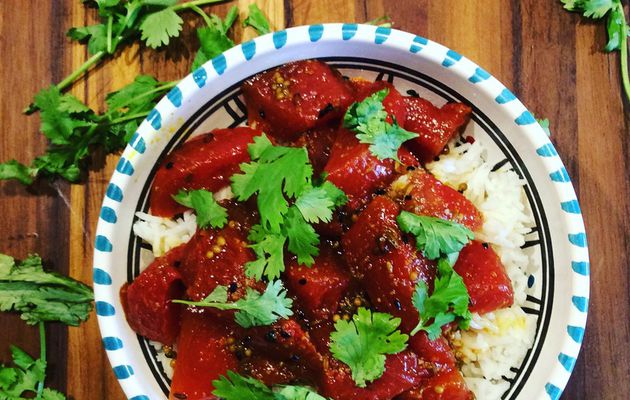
{"x": 557, "y": 293}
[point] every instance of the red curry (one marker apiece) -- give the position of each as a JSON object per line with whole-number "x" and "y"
{"x": 364, "y": 258}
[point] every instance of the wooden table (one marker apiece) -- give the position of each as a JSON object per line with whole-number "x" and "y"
{"x": 548, "y": 57}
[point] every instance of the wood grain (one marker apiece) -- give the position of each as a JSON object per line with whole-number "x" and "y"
{"x": 550, "y": 58}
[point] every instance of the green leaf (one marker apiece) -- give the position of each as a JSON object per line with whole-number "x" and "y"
{"x": 159, "y": 27}
{"x": 544, "y": 124}
{"x": 302, "y": 238}
{"x": 435, "y": 237}
{"x": 254, "y": 309}
{"x": 257, "y": 20}
{"x": 275, "y": 171}
{"x": 616, "y": 26}
{"x": 57, "y": 124}
{"x": 296, "y": 393}
{"x": 20, "y": 172}
{"x": 449, "y": 301}
{"x": 209, "y": 212}
{"x": 363, "y": 342}
{"x": 269, "y": 250}
{"x": 21, "y": 381}
{"x": 213, "y": 41}
{"x": 368, "y": 119}
{"x": 41, "y": 296}
{"x": 131, "y": 95}
{"x": 596, "y": 8}
{"x": 96, "y": 35}
{"x": 239, "y": 387}
{"x": 230, "y": 18}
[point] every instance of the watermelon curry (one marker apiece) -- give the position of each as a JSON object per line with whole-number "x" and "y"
{"x": 339, "y": 266}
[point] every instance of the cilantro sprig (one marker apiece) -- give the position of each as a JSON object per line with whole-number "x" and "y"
{"x": 73, "y": 129}
{"x": 279, "y": 176}
{"x": 363, "y": 342}
{"x": 448, "y": 302}
{"x": 25, "y": 378}
{"x": 41, "y": 296}
{"x": 368, "y": 119}
{"x": 209, "y": 212}
{"x": 254, "y": 309}
{"x": 257, "y": 20}
{"x": 239, "y": 387}
{"x": 616, "y": 25}
{"x": 435, "y": 237}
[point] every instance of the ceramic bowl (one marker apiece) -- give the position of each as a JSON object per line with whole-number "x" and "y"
{"x": 211, "y": 98}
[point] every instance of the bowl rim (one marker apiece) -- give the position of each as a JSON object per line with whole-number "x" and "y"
{"x": 307, "y": 34}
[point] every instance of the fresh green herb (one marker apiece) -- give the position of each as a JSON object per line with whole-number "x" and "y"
{"x": 368, "y": 119}
{"x": 544, "y": 124}
{"x": 363, "y": 342}
{"x": 74, "y": 130}
{"x": 26, "y": 378}
{"x": 42, "y": 296}
{"x": 616, "y": 24}
{"x": 385, "y": 21}
{"x": 448, "y": 302}
{"x": 239, "y": 387}
{"x": 257, "y": 20}
{"x": 213, "y": 39}
{"x": 435, "y": 237}
{"x": 254, "y": 309}
{"x": 209, "y": 212}
{"x": 278, "y": 174}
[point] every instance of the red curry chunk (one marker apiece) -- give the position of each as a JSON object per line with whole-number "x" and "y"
{"x": 366, "y": 260}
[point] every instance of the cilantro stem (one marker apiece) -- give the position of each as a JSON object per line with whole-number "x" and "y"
{"x": 128, "y": 118}
{"x": 194, "y": 3}
{"x": 110, "y": 21}
{"x": 42, "y": 356}
{"x": 205, "y": 17}
{"x": 624, "y": 54}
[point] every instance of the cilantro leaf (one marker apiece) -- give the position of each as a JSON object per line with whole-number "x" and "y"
{"x": 363, "y": 342}
{"x": 279, "y": 174}
{"x": 301, "y": 236}
{"x": 239, "y": 387}
{"x": 544, "y": 124}
{"x": 95, "y": 35}
{"x": 159, "y": 27}
{"x": 213, "y": 39}
{"x": 254, "y": 309}
{"x": 42, "y": 296}
{"x": 449, "y": 301}
{"x": 269, "y": 250}
{"x": 20, "y": 172}
{"x": 257, "y": 20}
{"x": 616, "y": 26}
{"x": 275, "y": 171}
{"x": 591, "y": 8}
{"x": 209, "y": 212}
{"x": 435, "y": 237}
{"x": 368, "y": 119}
{"x": 22, "y": 380}
{"x": 317, "y": 203}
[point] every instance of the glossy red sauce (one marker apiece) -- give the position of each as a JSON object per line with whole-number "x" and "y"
{"x": 364, "y": 258}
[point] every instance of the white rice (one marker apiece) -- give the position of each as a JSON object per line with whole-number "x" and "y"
{"x": 496, "y": 341}
{"x": 164, "y": 234}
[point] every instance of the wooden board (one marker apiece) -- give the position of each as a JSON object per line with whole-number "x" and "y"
{"x": 550, "y": 59}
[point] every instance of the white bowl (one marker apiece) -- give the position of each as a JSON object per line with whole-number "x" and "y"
{"x": 209, "y": 98}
